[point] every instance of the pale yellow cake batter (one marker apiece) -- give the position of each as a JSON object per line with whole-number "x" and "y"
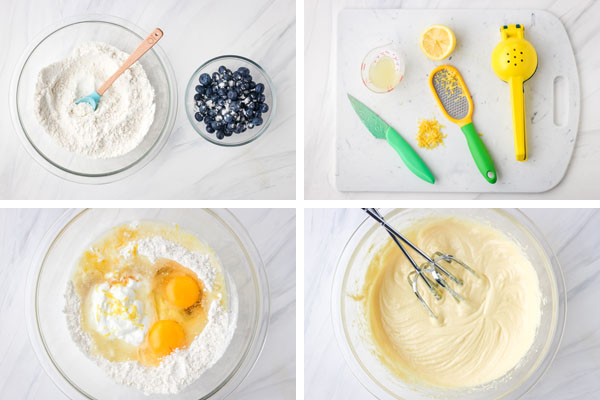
{"x": 472, "y": 342}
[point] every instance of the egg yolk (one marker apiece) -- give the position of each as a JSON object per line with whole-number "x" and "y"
{"x": 182, "y": 291}
{"x": 165, "y": 336}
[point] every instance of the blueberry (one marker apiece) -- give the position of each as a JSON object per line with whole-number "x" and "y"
{"x": 212, "y": 113}
{"x": 199, "y": 89}
{"x": 232, "y": 94}
{"x": 222, "y": 69}
{"x": 250, "y": 125}
{"x": 237, "y": 76}
{"x": 261, "y": 98}
{"x": 259, "y": 88}
{"x": 234, "y": 106}
{"x": 243, "y": 70}
{"x": 198, "y": 117}
{"x": 254, "y": 95}
{"x": 216, "y": 76}
{"x": 228, "y": 132}
{"x": 228, "y": 118}
{"x": 252, "y": 85}
{"x": 252, "y": 106}
{"x": 247, "y": 78}
{"x": 220, "y": 135}
{"x": 264, "y": 108}
{"x": 249, "y": 113}
{"x": 205, "y": 80}
{"x": 202, "y": 109}
{"x": 222, "y": 92}
{"x": 197, "y": 97}
{"x": 210, "y": 129}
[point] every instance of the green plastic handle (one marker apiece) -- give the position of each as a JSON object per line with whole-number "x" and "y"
{"x": 408, "y": 155}
{"x": 480, "y": 154}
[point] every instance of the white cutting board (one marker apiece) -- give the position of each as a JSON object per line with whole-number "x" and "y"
{"x": 368, "y": 164}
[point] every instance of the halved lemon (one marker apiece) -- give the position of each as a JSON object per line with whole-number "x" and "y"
{"x": 437, "y": 42}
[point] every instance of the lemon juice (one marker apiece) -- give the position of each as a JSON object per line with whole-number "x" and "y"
{"x": 383, "y": 74}
{"x": 383, "y": 68}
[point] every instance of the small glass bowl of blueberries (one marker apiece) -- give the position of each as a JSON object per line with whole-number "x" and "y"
{"x": 230, "y": 100}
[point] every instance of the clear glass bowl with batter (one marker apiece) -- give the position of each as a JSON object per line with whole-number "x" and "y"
{"x": 52, "y": 265}
{"x": 358, "y": 349}
{"x": 55, "y": 44}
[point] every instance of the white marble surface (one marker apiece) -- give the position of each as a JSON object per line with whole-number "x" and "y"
{"x": 188, "y": 167}
{"x": 573, "y": 235}
{"x": 579, "y": 18}
{"x": 273, "y": 377}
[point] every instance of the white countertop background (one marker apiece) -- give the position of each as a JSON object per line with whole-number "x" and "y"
{"x": 572, "y": 234}
{"x": 188, "y": 167}
{"x": 580, "y": 19}
{"x": 273, "y": 376}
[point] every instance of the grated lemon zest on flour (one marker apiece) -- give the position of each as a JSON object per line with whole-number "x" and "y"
{"x": 430, "y": 133}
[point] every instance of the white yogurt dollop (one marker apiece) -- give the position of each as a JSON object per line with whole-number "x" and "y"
{"x": 118, "y": 313}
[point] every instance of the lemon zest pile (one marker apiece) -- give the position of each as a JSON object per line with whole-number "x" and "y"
{"x": 430, "y": 133}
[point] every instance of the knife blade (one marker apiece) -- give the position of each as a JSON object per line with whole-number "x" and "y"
{"x": 381, "y": 130}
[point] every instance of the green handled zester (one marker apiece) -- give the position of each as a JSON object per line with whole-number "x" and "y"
{"x": 456, "y": 103}
{"x": 381, "y": 130}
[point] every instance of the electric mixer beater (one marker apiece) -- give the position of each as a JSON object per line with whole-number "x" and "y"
{"x": 431, "y": 267}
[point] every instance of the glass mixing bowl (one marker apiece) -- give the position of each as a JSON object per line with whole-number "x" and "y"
{"x": 232, "y": 63}
{"x": 358, "y": 349}
{"x": 78, "y": 376}
{"x": 57, "y": 43}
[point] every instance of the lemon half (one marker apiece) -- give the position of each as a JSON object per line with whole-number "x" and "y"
{"x": 437, "y": 42}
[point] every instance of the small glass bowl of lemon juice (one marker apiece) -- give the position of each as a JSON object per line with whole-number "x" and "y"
{"x": 382, "y": 68}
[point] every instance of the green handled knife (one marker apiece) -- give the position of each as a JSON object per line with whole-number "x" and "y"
{"x": 381, "y": 130}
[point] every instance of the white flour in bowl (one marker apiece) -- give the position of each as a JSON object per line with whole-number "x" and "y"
{"x": 183, "y": 366}
{"x": 124, "y": 114}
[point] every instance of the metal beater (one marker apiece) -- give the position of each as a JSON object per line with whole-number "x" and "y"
{"x": 430, "y": 267}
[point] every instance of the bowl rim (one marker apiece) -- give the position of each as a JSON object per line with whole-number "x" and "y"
{"x": 50, "y": 165}
{"x": 525, "y": 385}
{"x": 192, "y": 84}
{"x": 235, "y": 377}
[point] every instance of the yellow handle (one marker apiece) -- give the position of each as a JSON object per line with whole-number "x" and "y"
{"x": 518, "y": 112}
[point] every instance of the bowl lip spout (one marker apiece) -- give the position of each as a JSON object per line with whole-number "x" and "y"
{"x": 50, "y": 165}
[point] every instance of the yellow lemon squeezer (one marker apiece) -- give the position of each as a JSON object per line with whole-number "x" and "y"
{"x": 514, "y": 60}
